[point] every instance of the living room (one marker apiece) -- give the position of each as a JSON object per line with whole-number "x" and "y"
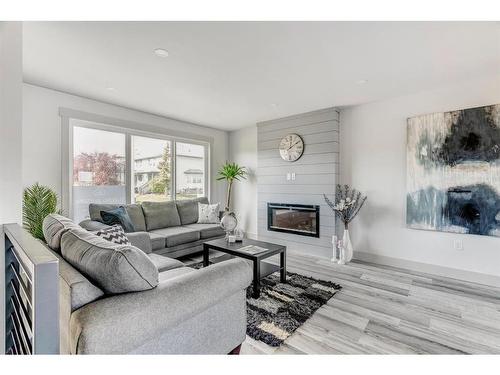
{"x": 253, "y": 187}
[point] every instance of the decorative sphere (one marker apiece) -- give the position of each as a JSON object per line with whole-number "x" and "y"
{"x": 228, "y": 222}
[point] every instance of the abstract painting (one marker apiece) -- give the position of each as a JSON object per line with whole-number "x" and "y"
{"x": 453, "y": 171}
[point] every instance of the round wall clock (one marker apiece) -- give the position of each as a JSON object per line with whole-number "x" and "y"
{"x": 291, "y": 147}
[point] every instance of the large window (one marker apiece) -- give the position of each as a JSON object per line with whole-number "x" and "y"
{"x": 98, "y": 169}
{"x": 109, "y": 164}
{"x": 190, "y": 171}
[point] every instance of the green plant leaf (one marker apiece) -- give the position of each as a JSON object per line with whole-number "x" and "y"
{"x": 38, "y": 202}
{"x": 231, "y": 172}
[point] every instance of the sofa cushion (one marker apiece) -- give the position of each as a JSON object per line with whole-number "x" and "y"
{"x": 160, "y": 215}
{"x": 158, "y": 241}
{"x": 141, "y": 240}
{"x": 96, "y": 208}
{"x": 114, "y": 268}
{"x": 137, "y": 217}
{"x": 165, "y": 263}
{"x": 188, "y": 209}
{"x": 53, "y": 227}
{"x": 178, "y": 235}
{"x": 208, "y": 230}
{"x": 134, "y": 212}
{"x": 118, "y": 216}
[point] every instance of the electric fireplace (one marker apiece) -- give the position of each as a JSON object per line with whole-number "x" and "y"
{"x": 298, "y": 219}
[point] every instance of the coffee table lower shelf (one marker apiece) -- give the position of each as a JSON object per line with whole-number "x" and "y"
{"x": 266, "y": 268}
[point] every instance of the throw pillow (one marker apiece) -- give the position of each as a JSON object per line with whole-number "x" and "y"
{"x": 208, "y": 213}
{"x": 114, "y": 234}
{"x": 119, "y": 216}
{"x": 111, "y": 267}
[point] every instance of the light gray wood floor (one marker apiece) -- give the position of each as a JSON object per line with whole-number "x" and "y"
{"x": 387, "y": 310}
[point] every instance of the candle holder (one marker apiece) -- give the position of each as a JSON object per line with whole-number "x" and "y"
{"x": 338, "y": 251}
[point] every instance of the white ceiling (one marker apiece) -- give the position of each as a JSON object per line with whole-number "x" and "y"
{"x": 229, "y": 75}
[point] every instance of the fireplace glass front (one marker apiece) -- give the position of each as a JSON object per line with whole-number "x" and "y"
{"x": 293, "y": 218}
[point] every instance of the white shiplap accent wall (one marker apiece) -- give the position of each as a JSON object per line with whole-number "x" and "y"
{"x": 317, "y": 172}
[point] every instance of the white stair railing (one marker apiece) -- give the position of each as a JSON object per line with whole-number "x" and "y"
{"x": 31, "y": 294}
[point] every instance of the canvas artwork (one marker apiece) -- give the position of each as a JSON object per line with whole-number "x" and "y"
{"x": 453, "y": 171}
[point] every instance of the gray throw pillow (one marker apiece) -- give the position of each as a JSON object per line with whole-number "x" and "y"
{"x": 160, "y": 215}
{"x": 113, "y": 268}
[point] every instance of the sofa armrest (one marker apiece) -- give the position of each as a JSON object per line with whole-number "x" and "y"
{"x": 140, "y": 240}
{"x": 121, "y": 323}
{"x": 93, "y": 225}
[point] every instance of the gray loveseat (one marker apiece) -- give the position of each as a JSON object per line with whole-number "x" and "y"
{"x": 174, "y": 310}
{"x": 171, "y": 227}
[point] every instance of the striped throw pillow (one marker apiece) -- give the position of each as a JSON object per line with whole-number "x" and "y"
{"x": 114, "y": 234}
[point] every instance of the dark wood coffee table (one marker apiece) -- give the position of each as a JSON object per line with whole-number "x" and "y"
{"x": 260, "y": 269}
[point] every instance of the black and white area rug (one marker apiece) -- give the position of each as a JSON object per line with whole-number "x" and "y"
{"x": 284, "y": 307}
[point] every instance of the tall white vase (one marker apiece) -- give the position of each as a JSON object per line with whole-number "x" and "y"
{"x": 348, "y": 251}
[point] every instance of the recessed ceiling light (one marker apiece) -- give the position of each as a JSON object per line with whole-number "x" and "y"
{"x": 110, "y": 88}
{"x": 274, "y": 105}
{"x": 362, "y": 82}
{"x": 160, "y": 52}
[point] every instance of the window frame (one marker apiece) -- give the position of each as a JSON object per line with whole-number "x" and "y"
{"x": 129, "y": 129}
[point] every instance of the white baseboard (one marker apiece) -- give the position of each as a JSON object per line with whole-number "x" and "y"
{"x": 453, "y": 273}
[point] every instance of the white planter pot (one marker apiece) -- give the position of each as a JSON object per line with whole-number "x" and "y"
{"x": 348, "y": 251}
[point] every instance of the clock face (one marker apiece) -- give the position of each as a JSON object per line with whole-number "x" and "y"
{"x": 291, "y": 147}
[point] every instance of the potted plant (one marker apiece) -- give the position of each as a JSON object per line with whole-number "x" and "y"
{"x": 38, "y": 202}
{"x": 348, "y": 202}
{"x": 230, "y": 172}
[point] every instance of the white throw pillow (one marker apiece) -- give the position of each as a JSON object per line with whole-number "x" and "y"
{"x": 208, "y": 213}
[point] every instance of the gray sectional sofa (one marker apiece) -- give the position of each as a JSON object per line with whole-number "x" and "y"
{"x": 121, "y": 299}
{"x": 171, "y": 227}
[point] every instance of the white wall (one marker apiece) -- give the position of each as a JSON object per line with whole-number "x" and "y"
{"x": 10, "y": 140}
{"x": 42, "y": 134}
{"x": 243, "y": 151}
{"x": 373, "y": 159}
